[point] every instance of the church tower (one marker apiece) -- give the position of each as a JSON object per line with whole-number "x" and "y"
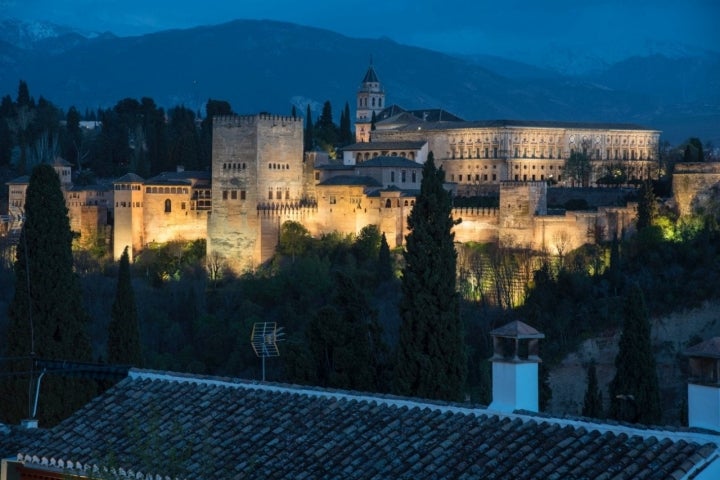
{"x": 370, "y": 99}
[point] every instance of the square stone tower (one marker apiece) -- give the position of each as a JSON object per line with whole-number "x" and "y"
{"x": 257, "y": 167}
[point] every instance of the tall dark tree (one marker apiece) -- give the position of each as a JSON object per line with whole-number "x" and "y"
{"x": 6, "y": 141}
{"x": 635, "y": 392}
{"x": 213, "y": 108}
{"x": 346, "y": 136}
{"x": 592, "y": 403}
{"x": 647, "y": 206}
{"x": 22, "y": 122}
{"x": 72, "y": 139}
{"x": 124, "y": 331}
{"x": 385, "y": 268}
{"x": 694, "y": 151}
{"x": 183, "y": 140}
{"x": 47, "y": 318}
{"x": 326, "y": 132}
{"x": 308, "y": 134}
{"x": 431, "y": 354}
{"x": 155, "y": 137}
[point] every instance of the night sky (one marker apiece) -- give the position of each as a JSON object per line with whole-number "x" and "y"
{"x": 612, "y": 29}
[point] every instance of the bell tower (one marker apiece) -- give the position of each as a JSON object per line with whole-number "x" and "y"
{"x": 370, "y": 99}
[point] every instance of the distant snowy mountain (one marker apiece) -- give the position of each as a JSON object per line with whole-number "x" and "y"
{"x": 583, "y": 60}
{"x": 27, "y": 35}
{"x": 272, "y": 66}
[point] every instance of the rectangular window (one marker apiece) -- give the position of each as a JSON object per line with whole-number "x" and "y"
{"x": 333, "y": 200}
{"x": 225, "y": 193}
{"x": 233, "y": 194}
{"x": 392, "y": 176}
{"x": 182, "y": 205}
{"x": 270, "y": 194}
{"x": 317, "y": 176}
{"x": 494, "y": 177}
{"x": 402, "y": 176}
{"x": 242, "y": 194}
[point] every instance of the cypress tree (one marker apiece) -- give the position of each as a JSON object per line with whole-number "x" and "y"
{"x": 385, "y": 269}
{"x": 46, "y": 316}
{"x": 346, "y": 136}
{"x": 308, "y": 137}
{"x": 592, "y": 404}
{"x": 635, "y": 392}
{"x": 431, "y": 355}
{"x": 123, "y": 331}
{"x": 647, "y": 207}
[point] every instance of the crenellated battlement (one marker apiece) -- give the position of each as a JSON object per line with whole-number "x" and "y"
{"x": 490, "y": 212}
{"x": 248, "y": 120}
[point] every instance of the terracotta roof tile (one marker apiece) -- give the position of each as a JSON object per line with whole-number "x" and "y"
{"x": 228, "y": 428}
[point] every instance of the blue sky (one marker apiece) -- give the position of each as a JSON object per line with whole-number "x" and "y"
{"x": 463, "y": 26}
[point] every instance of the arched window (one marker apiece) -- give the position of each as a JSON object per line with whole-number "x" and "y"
{"x": 168, "y": 206}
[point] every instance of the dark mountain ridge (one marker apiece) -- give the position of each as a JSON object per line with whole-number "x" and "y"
{"x": 270, "y": 66}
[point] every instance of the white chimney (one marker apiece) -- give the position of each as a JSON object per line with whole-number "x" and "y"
{"x": 704, "y": 384}
{"x": 515, "y": 367}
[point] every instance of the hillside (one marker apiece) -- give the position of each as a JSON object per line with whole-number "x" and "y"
{"x": 269, "y": 66}
{"x": 671, "y": 335}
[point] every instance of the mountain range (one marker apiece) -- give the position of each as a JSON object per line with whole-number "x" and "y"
{"x": 270, "y": 66}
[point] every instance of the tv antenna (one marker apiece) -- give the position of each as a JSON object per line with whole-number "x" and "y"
{"x": 264, "y": 338}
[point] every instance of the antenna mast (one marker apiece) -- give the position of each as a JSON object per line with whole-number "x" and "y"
{"x": 264, "y": 338}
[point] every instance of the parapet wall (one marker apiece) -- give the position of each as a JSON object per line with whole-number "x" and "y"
{"x": 246, "y": 120}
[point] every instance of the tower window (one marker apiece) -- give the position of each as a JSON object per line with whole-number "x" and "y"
{"x": 168, "y": 206}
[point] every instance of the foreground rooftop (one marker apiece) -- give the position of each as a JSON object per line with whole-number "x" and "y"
{"x": 188, "y": 426}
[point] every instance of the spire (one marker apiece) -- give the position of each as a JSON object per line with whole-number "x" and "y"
{"x": 371, "y": 76}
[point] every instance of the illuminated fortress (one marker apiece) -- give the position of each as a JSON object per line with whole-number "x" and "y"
{"x": 261, "y": 177}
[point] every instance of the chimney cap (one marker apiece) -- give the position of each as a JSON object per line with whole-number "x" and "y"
{"x": 707, "y": 349}
{"x": 517, "y": 329}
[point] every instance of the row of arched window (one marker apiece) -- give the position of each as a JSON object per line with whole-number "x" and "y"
{"x": 167, "y": 190}
{"x": 234, "y": 166}
{"x": 278, "y": 166}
